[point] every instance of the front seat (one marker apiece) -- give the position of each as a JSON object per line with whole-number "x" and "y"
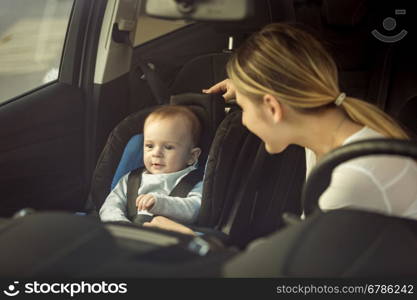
{"x": 338, "y": 243}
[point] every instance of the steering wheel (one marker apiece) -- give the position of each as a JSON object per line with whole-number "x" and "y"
{"x": 320, "y": 176}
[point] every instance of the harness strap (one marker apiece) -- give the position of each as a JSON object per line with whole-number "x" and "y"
{"x": 182, "y": 189}
{"x": 187, "y": 183}
{"x": 133, "y": 183}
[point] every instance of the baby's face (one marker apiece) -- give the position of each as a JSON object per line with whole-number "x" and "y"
{"x": 167, "y": 145}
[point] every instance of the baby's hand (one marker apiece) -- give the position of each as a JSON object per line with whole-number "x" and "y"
{"x": 145, "y": 201}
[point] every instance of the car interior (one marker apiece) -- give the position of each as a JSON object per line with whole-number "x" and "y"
{"x": 66, "y": 144}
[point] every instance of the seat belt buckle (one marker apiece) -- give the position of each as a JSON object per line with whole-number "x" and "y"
{"x": 142, "y": 217}
{"x": 199, "y": 246}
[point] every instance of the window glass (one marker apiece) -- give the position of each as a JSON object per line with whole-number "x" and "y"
{"x": 32, "y": 35}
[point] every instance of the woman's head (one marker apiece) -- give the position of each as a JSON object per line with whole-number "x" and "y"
{"x": 293, "y": 67}
{"x": 171, "y": 135}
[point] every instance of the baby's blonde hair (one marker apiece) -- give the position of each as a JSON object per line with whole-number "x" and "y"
{"x": 292, "y": 65}
{"x": 172, "y": 111}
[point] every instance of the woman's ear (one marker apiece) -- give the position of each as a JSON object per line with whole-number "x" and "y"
{"x": 273, "y": 108}
{"x": 195, "y": 153}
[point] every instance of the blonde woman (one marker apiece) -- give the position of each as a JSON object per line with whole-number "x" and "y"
{"x": 287, "y": 86}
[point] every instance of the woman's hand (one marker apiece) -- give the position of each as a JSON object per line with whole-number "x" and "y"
{"x": 167, "y": 224}
{"x": 226, "y": 87}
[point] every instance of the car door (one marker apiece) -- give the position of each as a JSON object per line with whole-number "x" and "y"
{"x": 47, "y": 58}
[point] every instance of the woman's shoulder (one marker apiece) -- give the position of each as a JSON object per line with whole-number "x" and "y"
{"x": 381, "y": 167}
{"x": 364, "y": 133}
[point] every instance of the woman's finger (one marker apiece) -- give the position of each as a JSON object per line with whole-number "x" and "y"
{"x": 230, "y": 94}
{"x": 217, "y": 88}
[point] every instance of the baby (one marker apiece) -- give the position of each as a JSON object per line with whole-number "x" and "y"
{"x": 171, "y": 135}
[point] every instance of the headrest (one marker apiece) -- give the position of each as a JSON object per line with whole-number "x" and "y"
{"x": 348, "y": 13}
{"x": 191, "y": 79}
{"x": 209, "y": 108}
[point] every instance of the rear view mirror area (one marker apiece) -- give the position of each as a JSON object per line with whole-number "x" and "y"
{"x": 200, "y": 10}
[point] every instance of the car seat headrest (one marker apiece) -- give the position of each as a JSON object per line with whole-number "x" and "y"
{"x": 209, "y": 109}
{"x": 191, "y": 79}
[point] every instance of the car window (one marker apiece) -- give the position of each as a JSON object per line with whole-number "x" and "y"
{"x": 148, "y": 28}
{"x": 32, "y": 35}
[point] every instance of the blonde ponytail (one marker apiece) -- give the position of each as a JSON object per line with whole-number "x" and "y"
{"x": 371, "y": 116}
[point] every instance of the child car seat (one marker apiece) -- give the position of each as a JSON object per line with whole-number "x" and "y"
{"x": 123, "y": 150}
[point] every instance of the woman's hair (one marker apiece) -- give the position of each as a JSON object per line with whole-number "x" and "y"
{"x": 173, "y": 111}
{"x": 292, "y": 65}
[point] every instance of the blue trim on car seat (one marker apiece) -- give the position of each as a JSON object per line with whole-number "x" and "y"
{"x": 132, "y": 158}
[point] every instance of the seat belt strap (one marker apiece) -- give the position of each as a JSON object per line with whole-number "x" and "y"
{"x": 187, "y": 183}
{"x": 158, "y": 88}
{"x": 182, "y": 189}
{"x": 133, "y": 183}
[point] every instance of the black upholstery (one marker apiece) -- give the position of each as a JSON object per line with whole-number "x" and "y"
{"x": 369, "y": 69}
{"x": 340, "y": 243}
{"x": 210, "y": 110}
{"x": 200, "y": 73}
{"x": 112, "y": 153}
{"x": 344, "y": 29}
{"x": 408, "y": 116}
{"x": 246, "y": 190}
{"x": 46, "y": 244}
